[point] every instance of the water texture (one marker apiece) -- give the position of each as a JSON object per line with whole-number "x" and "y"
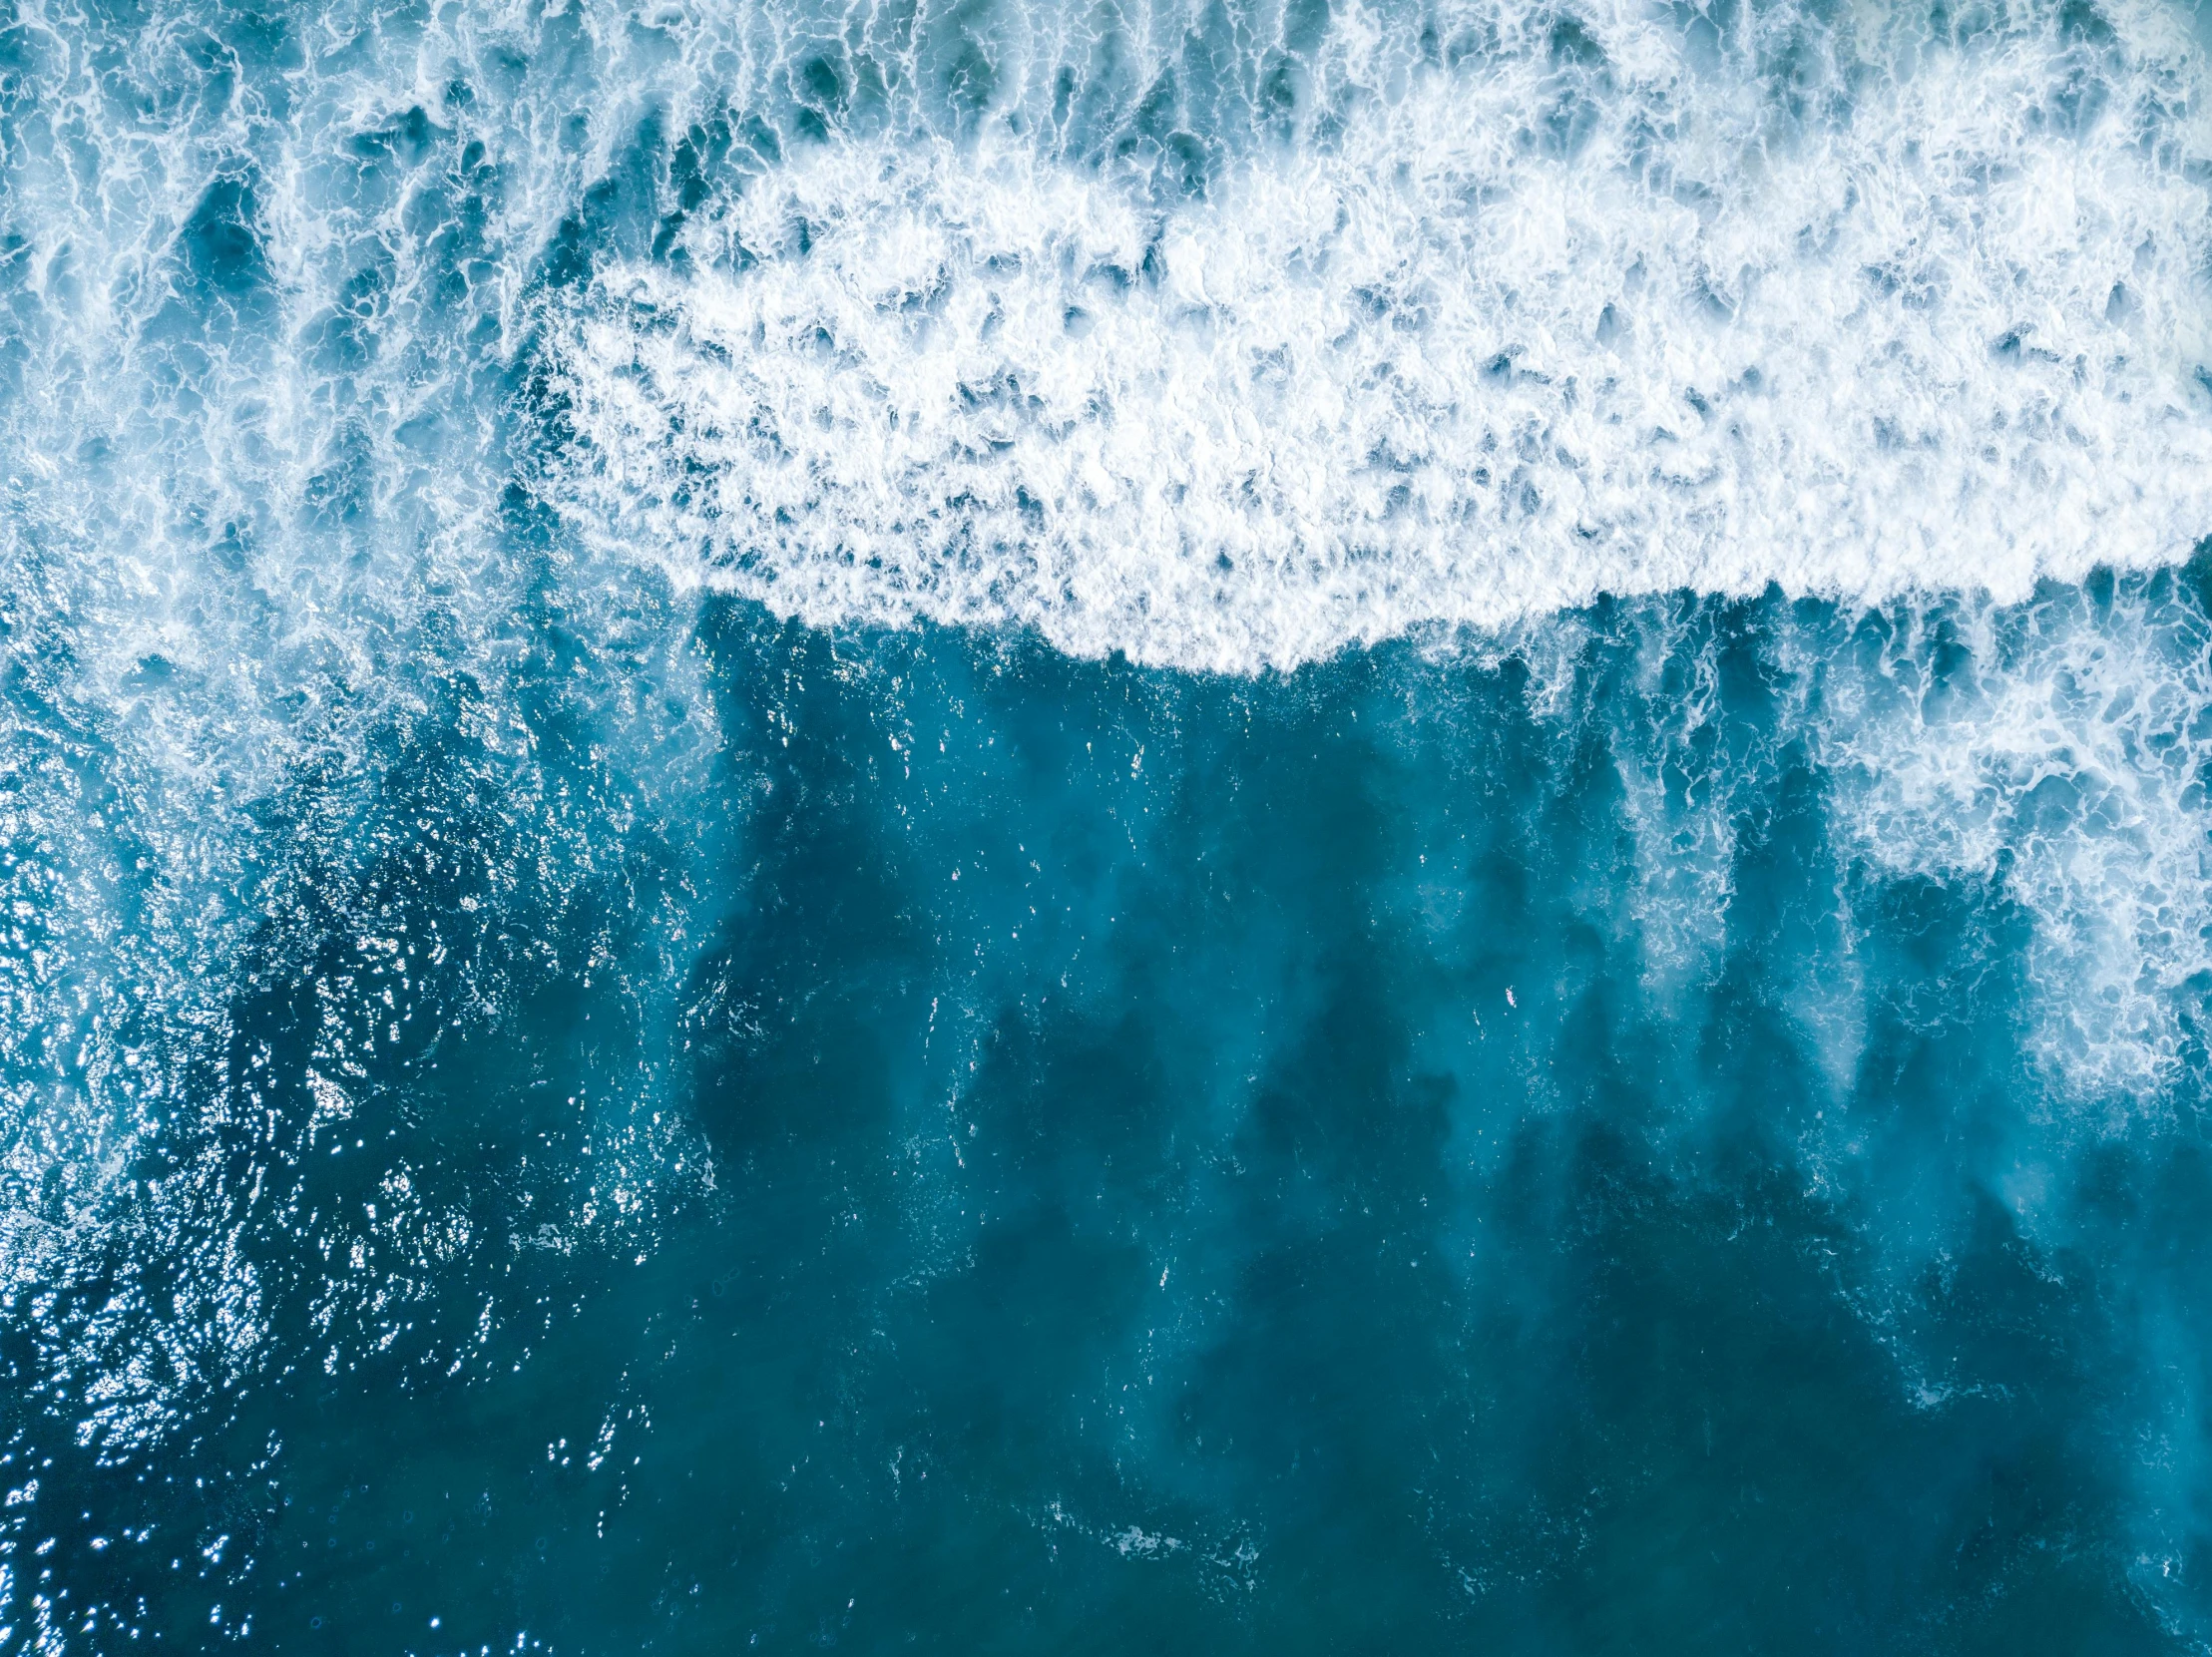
{"x": 1028, "y": 827}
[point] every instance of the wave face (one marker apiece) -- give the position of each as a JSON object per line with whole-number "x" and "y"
{"x": 1018, "y": 826}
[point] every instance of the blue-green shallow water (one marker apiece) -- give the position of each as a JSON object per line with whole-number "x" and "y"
{"x": 1139, "y": 1218}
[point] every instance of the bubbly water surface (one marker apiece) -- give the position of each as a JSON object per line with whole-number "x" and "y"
{"x": 1009, "y": 825}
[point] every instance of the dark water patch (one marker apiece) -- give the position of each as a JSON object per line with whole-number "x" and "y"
{"x": 1170, "y": 1229}
{"x": 223, "y": 274}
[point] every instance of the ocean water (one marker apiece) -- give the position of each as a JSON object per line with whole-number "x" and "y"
{"x": 1084, "y": 825}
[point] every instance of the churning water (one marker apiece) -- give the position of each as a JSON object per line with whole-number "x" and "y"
{"x": 1014, "y": 825}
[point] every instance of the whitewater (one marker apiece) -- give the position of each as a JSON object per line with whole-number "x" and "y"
{"x": 1545, "y": 306}
{"x": 608, "y": 611}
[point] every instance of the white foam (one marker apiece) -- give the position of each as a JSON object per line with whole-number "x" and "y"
{"x": 1938, "y": 334}
{"x": 2065, "y": 767}
{"x": 2050, "y": 756}
{"x": 246, "y": 539}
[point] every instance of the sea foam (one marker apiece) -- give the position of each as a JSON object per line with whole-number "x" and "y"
{"x": 1537, "y": 305}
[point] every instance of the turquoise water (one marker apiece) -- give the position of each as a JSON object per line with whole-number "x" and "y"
{"x": 806, "y": 845}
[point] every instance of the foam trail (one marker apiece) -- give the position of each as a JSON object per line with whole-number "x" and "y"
{"x": 255, "y": 558}
{"x": 1569, "y": 305}
{"x": 2054, "y": 752}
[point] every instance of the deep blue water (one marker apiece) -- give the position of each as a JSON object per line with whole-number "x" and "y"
{"x": 688, "y": 966}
